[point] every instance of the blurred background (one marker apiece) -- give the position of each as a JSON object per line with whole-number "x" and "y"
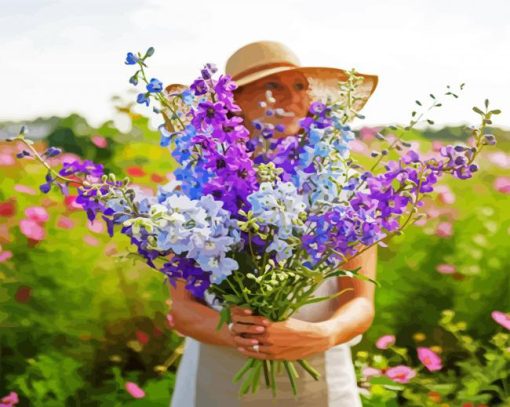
{"x": 81, "y": 323}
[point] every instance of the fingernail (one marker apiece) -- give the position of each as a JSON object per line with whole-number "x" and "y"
{"x": 247, "y": 311}
{"x": 259, "y": 328}
{"x": 240, "y": 349}
{"x": 265, "y": 322}
{"x": 254, "y": 342}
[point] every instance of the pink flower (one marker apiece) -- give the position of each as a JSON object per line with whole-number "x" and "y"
{"x": 501, "y": 318}
{"x": 368, "y": 133}
{"x": 64, "y": 222}
{"x": 430, "y": 359}
{"x": 436, "y": 146}
{"x": 90, "y": 240}
{"x": 32, "y": 229}
{"x": 502, "y": 184}
{"x": 400, "y": 373}
{"x": 446, "y": 268}
{"x": 110, "y": 249}
{"x": 445, "y": 194}
{"x": 358, "y": 146}
{"x": 99, "y": 141}
{"x": 96, "y": 226}
{"x": 37, "y": 214}
{"x": 444, "y": 229}
{"x": 134, "y": 390}
{"x": 500, "y": 159}
{"x": 6, "y": 160}
{"x": 5, "y": 255}
{"x": 384, "y": 342}
{"x": 10, "y": 400}
{"x": 369, "y": 372}
{"x": 24, "y": 189}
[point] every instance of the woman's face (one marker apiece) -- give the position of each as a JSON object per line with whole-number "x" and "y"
{"x": 289, "y": 89}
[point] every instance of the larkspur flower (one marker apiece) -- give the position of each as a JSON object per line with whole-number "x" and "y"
{"x": 143, "y": 98}
{"x": 154, "y": 86}
{"x": 278, "y": 205}
{"x": 133, "y": 80}
{"x": 131, "y": 59}
{"x": 199, "y": 87}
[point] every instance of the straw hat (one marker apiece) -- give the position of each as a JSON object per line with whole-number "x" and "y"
{"x": 264, "y": 58}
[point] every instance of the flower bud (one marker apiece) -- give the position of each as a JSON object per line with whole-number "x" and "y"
{"x": 489, "y": 139}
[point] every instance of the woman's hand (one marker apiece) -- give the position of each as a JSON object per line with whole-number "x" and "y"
{"x": 291, "y": 339}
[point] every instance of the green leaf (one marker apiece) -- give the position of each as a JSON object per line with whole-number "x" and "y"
{"x": 224, "y": 317}
{"x": 477, "y": 110}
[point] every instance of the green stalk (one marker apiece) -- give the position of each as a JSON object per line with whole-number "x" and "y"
{"x": 290, "y": 373}
{"x": 249, "y": 363}
{"x": 267, "y": 368}
{"x": 256, "y": 376}
{"x": 312, "y": 371}
{"x": 272, "y": 371}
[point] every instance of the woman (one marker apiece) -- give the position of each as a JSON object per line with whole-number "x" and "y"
{"x": 321, "y": 332}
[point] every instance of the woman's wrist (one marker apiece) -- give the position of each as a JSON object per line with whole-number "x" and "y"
{"x": 323, "y": 336}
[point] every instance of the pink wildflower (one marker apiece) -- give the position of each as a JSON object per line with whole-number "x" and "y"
{"x": 502, "y": 184}
{"x": 369, "y": 372}
{"x": 501, "y": 318}
{"x": 134, "y": 390}
{"x": 37, "y": 214}
{"x": 24, "y": 189}
{"x": 384, "y": 342}
{"x": 99, "y": 141}
{"x": 446, "y": 268}
{"x": 430, "y": 359}
{"x": 444, "y": 229}
{"x": 400, "y": 373}
{"x": 32, "y": 229}
{"x": 65, "y": 222}
{"x": 10, "y": 400}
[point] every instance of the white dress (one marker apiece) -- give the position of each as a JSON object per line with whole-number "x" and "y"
{"x": 204, "y": 376}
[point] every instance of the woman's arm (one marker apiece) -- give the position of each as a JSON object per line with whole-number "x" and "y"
{"x": 356, "y": 311}
{"x": 191, "y": 318}
{"x": 296, "y": 339}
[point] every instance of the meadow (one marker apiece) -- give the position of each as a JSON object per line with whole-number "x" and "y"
{"x": 82, "y": 323}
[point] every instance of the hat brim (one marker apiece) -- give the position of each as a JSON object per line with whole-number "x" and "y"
{"x": 323, "y": 82}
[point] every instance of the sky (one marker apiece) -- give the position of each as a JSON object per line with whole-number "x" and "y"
{"x": 58, "y": 57}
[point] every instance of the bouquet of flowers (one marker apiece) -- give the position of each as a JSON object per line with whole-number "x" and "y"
{"x": 258, "y": 221}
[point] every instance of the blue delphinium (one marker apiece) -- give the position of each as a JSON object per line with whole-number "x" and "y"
{"x": 131, "y": 59}
{"x": 278, "y": 206}
{"x": 154, "y": 86}
{"x": 143, "y": 98}
{"x": 197, "y": 229}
